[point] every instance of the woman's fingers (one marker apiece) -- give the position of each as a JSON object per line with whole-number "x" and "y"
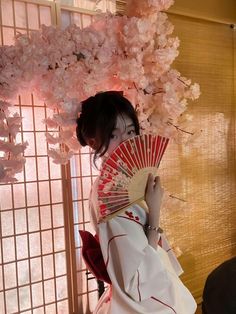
{"x": 150, "y": 181}
{"x": 153, "y": 183}
{"x": 153, "y": 195}
{"x": 157, "y": 180}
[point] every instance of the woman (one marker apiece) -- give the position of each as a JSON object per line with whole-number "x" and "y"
{"x": 144, "y": 277}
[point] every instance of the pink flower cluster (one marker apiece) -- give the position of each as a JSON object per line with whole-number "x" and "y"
{"x": 132, "y": 53}
{"x": 11, "y": 152}
{"x": 145, "y": 8}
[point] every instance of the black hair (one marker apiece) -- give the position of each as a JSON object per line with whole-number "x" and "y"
{"x": 98, "y": 119}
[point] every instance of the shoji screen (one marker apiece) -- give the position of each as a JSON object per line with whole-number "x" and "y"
{"x": 33, "y": 270}
{"x": 33, "y": 252}
{"x": 81, "y": 18}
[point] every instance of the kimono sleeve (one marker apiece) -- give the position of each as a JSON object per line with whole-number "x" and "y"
{"x": 133, "y": 265}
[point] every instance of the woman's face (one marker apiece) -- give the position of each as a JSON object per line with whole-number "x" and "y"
{"x": 124, "y": 130}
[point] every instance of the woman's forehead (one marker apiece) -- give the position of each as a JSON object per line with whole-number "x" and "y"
{"x": 123, "y": 122}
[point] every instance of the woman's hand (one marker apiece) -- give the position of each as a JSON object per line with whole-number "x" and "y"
{"x": 153, "y": 197}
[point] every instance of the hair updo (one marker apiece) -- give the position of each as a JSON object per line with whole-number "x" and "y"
{"x": 98, "y": 119}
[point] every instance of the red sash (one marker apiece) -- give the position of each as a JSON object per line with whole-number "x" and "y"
{"x": 92, "y": 255}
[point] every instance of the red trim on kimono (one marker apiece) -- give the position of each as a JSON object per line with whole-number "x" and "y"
{"x": 109, "y": 242}
{"x": 164, "y": 304}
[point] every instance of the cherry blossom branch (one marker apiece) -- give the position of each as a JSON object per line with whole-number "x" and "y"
{"x": 175, "y": 197}
{"x": 178, "y": 128}
{"x": 179, "y": 79}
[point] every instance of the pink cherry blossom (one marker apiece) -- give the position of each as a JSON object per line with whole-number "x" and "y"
{"x": 59, "y": 157}
{"x": 131, "y": 53}
{"x": 142, "y": 8}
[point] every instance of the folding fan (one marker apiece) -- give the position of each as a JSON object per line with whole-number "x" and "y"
{"x": 124, "y": 173}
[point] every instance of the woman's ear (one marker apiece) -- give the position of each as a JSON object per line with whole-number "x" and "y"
{"x": 92, "y": 143}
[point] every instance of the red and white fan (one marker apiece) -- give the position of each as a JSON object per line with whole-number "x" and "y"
{"x": 123, "y": 176}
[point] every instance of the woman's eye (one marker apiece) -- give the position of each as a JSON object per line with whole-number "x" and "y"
{"x": 113, "y": 136}
{"x": 131, "y": 132}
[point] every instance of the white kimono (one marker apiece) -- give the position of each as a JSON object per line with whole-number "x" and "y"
{"x": 144, "y": 280}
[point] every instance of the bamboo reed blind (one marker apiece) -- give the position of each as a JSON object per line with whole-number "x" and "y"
{"x": 203, "y": 173}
